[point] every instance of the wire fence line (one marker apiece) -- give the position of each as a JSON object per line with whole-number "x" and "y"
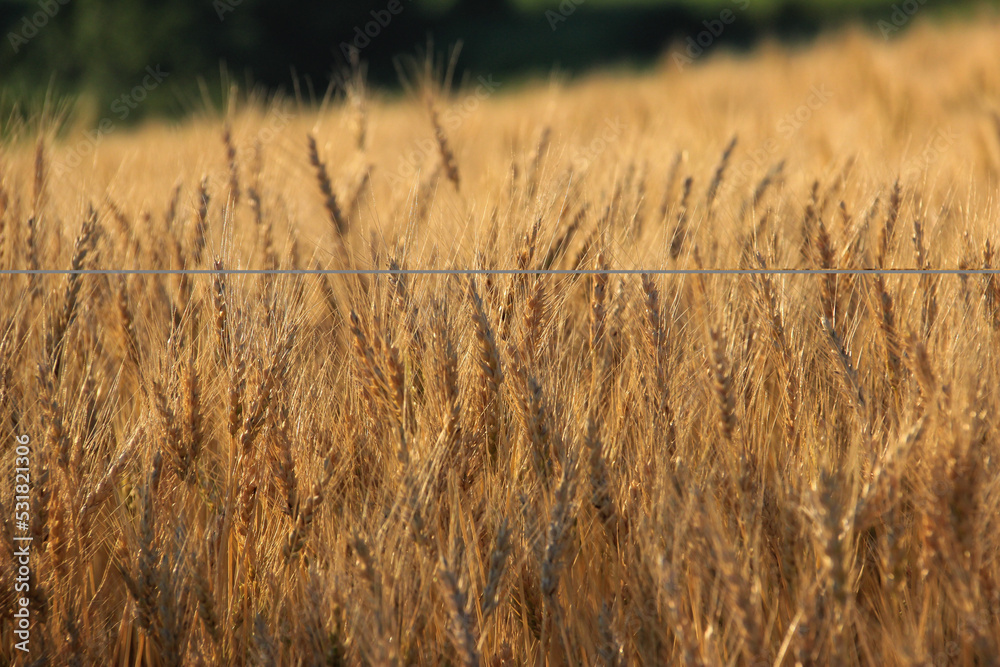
{"x": 508, "y": 272}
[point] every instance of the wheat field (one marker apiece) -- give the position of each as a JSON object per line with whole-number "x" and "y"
{"x": 518, "y": 468}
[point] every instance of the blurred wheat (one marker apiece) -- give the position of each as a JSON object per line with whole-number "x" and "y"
{"x": 510, "y": 469}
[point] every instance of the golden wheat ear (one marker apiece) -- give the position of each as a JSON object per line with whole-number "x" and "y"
{"x": 444, "y": 148}
{"x": 323, "y": 179}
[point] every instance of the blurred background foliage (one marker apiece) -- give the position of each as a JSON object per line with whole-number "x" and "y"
{"x": 85, "y": 54}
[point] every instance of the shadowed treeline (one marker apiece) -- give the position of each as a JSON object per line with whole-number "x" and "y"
{"x": 103, "y": 47}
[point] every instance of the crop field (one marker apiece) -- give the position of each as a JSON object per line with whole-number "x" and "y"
{"x": 575, "y": 443}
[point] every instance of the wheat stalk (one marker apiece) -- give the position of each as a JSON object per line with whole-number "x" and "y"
{"x": 323, "y": 179}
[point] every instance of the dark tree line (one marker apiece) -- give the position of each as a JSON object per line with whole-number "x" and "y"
{"x": 104, "y": 46}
